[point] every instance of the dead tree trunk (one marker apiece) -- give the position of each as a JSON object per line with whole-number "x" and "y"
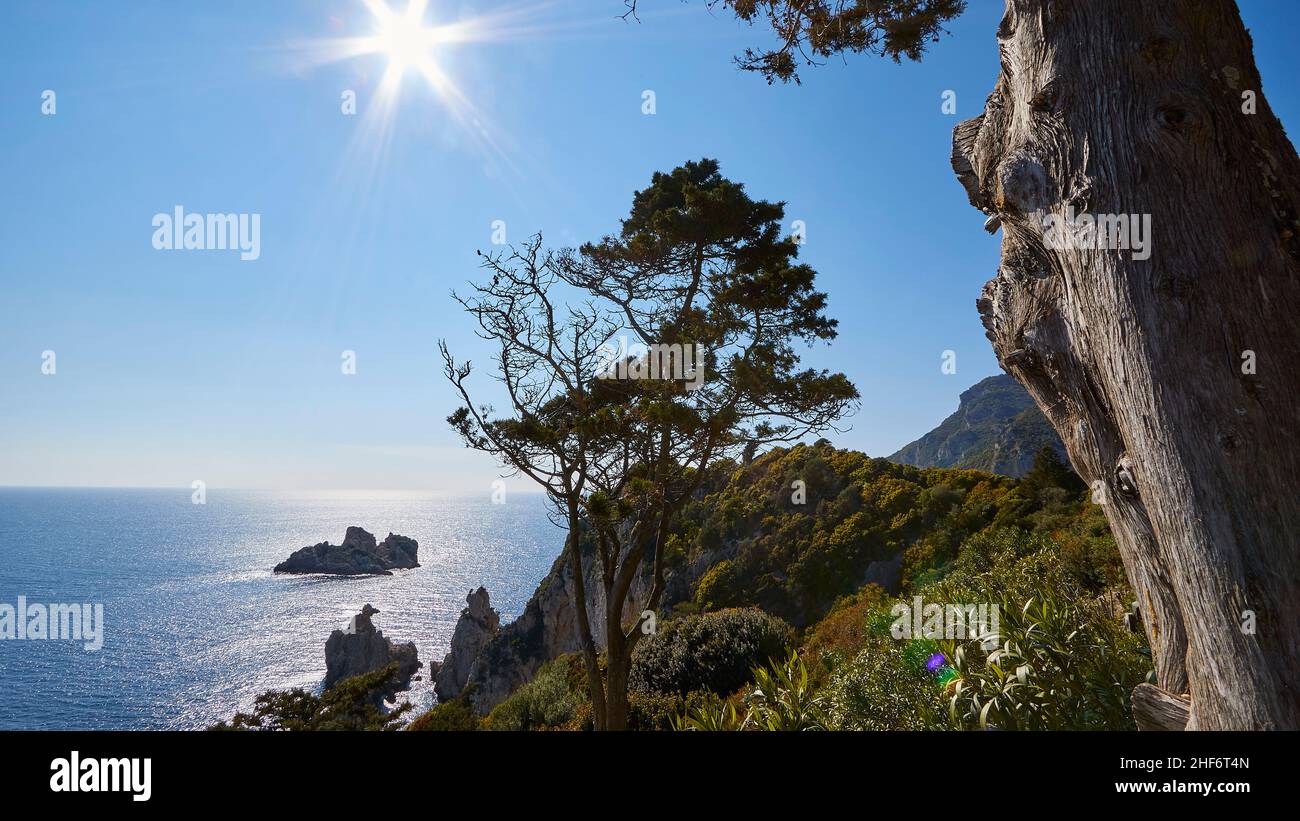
{"x": 1154, "y": 709}
{"x": 1173, "y": 380}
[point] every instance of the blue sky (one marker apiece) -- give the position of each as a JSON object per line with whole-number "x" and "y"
{"x": 181, "y": 365}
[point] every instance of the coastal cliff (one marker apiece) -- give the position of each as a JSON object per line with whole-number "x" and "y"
{"x": 477, "y": 625}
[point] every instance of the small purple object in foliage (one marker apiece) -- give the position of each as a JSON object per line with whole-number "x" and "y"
{"x": 934, "y": 662}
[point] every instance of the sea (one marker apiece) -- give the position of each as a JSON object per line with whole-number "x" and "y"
{"x": 196, "y": 625}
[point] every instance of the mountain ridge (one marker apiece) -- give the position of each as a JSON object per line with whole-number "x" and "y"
{"x": 996, "y": 428}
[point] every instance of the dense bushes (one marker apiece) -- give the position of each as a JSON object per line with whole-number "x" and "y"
{"x": 1057, "y": 667}
{"x": 717, "y": 588}
{"x": 1088, "y": 553}
{"x": 714, "y": 651}
{"x": 798, "y": 528}
{"x": 1036, "y": 547}
{"x": 449, "y": 716}
{"x": 1061, "y": 659}
{"x": 552, "y": 700}
{"x": 836, "y": 639}
{"x": 885, "y": 687}
{"x": 783, "y": 699}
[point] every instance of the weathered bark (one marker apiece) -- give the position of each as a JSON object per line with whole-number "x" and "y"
{"x": 1154, "y": 709}
{"x": 1139, "y": 107}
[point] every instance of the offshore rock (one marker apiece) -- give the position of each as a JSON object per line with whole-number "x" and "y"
{"x": 362, "y": 648}
{"x": 357, "y": 556}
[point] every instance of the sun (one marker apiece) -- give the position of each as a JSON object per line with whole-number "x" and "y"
{"x": 404, "y": 46}
{"x": 409, "y": 44}
{"x": 403, "y": 38}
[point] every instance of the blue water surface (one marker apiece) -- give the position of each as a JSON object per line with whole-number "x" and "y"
{"x": 196, "y": 624}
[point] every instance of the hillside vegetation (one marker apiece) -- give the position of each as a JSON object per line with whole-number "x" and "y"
{"x": 790, "y": 625}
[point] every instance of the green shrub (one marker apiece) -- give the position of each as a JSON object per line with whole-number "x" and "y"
{"x": 450, "y": 716}
{"x": 883, "y": 688}
{"x": 714, "y": 652}
{"x": 840, "y": 636}
{"x": 1089, "y": 556}
{"x": 646, "y": 711}
{"x": 1062, "y": 660}
{"x": 714, "y": 589}
{"x": 1058, "y": 665}
{"x": 652, "y": 711}
{"x": 713, "y": 714}
{"x": 783, "y": 699}
{"x": 986, "y": 551}
{"x": 550, "y": 701}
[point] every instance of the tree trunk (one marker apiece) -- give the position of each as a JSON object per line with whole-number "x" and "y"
{"x": 616, "y": 701}
{"x": 595, "y": 685}
{"x": 1173, "y": 380}
{"x": 618, "y": 662}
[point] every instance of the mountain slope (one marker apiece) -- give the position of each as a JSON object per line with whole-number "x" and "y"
{"x": 996, "y": 428}
{"x": 749, "y": 542}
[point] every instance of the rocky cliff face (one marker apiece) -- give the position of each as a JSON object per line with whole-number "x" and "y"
{"x": 478, "y": 624}
{"x": 996, "y": 428}
{"x": 358, "y": 555}
{"x": 362, "y": 648}
{"x": 548, "y": 626}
